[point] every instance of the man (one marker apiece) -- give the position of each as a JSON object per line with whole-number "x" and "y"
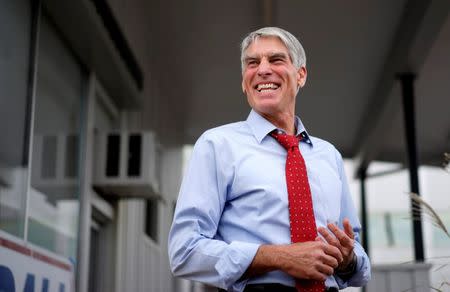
{"x": 240, "y": 219}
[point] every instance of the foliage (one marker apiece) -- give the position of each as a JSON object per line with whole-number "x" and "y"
{"x": 419, "y": 205}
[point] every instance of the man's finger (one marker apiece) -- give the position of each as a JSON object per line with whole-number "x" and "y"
{"x": 318, "y": 276}
{"x": 330, "y": 261}
{"x": 325, "y": 269}
{"x": 331, "y": 239}
{"x": 334, "y": 252}
{"x": 343, "y": 238}
{"x": 348, "y": 228}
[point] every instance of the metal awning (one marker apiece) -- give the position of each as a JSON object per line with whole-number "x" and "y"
{"x": 354, "y": 51}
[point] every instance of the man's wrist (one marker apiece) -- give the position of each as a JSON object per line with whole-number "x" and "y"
{"x": 348, "y": 270}
{"x": 267, "y": 259}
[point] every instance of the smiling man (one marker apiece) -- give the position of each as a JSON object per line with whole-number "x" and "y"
{"x": 263, "y": 205}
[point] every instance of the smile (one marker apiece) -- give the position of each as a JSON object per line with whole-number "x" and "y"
{"x": 266, "y": 87}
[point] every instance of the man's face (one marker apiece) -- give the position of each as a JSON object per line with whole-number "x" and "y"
{"x": 269, "y": 79}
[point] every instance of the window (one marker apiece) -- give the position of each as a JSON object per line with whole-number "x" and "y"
{"x": 54, "y": 190}
{"x": 390, "y": 230}
{"x": 15, "y": 25}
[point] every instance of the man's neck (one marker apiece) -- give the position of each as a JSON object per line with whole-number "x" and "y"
{"x": 285, "y": 121}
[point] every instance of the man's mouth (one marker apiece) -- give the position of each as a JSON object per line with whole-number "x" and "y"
{"x": 265, "y": 87}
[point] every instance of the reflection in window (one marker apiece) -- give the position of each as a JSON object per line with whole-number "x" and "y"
{"x": 15, "y": 27}
{"x": 53, "y": 208}
{"x": 390, "y": 229}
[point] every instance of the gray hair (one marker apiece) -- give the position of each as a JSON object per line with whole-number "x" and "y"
{"x": 295, "y": 49}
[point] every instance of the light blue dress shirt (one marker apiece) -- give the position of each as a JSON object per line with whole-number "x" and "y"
{"x": 234, "y": 198}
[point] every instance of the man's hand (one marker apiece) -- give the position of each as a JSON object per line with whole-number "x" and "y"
{"x": 344, "y": 240}
{"x": 315, "y": 260}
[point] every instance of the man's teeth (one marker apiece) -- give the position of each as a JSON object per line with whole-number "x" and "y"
{"x": 267, "y": 86}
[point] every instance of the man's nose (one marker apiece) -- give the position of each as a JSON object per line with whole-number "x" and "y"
{"x": 264, "y": 68}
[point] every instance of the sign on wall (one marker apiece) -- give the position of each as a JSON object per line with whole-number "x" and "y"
{"x": 26, "y": 269}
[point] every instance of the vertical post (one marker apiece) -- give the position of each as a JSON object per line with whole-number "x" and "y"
{"x": 407, "y": 84}
{"x": 364, "y": 215}
{"x": 32, "y": 77}
{"x": 31, "y": 100}
{"x": 85, "y": 174}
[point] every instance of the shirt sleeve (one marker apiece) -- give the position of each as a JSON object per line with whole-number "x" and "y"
{"x": 363, "y": 269}
{"x": 194, "y": 253}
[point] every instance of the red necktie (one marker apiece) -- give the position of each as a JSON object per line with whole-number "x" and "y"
{"x": 301, "y": 213}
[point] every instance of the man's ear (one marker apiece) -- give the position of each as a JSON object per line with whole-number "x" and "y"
{"x": 243, "y": 87}
{"x": 302, "y": 73}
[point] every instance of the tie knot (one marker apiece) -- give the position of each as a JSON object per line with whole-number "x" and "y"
{"x": 287, "y": 141}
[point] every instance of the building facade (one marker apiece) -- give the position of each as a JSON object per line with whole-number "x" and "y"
{"x": 87, "y": 192}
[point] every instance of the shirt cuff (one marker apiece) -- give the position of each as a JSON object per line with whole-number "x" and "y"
{"x": 362, "y": 272}
{"x": 233, "y": 265}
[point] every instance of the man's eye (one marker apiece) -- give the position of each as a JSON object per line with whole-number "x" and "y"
{"x": 252, "y": 63}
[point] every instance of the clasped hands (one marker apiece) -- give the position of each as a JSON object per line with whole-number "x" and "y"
{"x": 316, "y": 260}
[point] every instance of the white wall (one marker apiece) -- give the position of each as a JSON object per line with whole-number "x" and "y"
{"x": 142, "y": 263}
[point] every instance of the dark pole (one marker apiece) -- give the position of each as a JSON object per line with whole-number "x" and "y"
{"x": 364, "y": 215}
{"x": 407, "y": 83}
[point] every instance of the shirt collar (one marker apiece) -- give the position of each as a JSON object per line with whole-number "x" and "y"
{"x": 262, "y": 127}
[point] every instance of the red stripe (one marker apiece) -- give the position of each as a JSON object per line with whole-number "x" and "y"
{"x": 34, "y": 254}
{"x": 14, "y": 246}
{"x": 51, "y": 261}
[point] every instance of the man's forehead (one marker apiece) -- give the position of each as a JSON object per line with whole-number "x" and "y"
{"x": 269, "y": 54}
{"x": 278, "y": 47}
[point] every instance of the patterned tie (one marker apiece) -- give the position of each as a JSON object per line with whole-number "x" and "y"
{"x": 301, "y": 213}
